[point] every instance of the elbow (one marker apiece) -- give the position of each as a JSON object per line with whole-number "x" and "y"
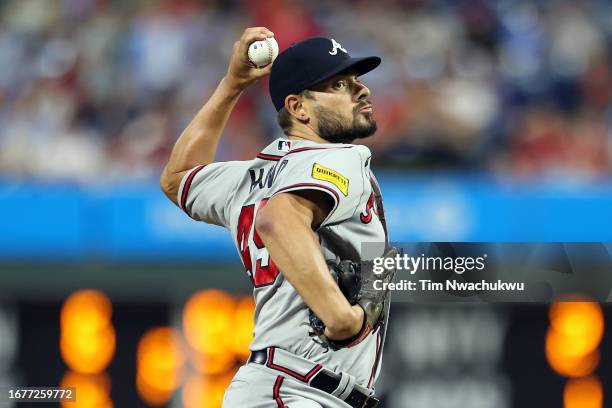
{"x": 168, "y": 186}
{"x": 265, "y": 223}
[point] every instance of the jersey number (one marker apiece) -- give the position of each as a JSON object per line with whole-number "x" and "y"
{"x": 263, "y": 274}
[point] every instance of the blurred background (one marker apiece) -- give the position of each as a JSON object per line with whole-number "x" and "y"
{"x": 495, "y": 124}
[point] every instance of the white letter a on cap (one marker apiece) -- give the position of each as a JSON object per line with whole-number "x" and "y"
{"x": 337, "y": 47}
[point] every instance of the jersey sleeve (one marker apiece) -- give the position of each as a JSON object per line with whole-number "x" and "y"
{"x": 337, "y": 172}
{"x": 205, "y": 191}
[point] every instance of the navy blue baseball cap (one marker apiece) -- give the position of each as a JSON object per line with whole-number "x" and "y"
{"x": 306, "y": 63}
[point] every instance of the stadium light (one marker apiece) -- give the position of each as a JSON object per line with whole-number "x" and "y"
{"x": 583, "y": 393}
{"x": 93, "y": 390}
{"x": 87, "y": 339}
{"x": 205, "y": 391}
{"x": 243, "y": 327}
{"x": 208, "y": 319}
{"x": 160, "y": 361}
{"x": 572, "y": 341}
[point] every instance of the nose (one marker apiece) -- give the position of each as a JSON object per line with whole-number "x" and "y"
{"x": 361, "y": 91}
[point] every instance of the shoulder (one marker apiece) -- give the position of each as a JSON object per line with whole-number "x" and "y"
{"x": 342, "y": 169}
{"x": 216, "y": 172}
{"x": 348, "y": 159}
{"x": 222, "y": 167}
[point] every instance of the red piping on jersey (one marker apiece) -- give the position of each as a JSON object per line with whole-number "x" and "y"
{"x": 272, "y": 157}
{"x": 303, "y": 149}
{"x": 312, "y": 185}
{"x": 304, "y": 378}
{"x": 377, "y": 358}
{"x": 188, "y": 185}
{"x": 276, "y": 392}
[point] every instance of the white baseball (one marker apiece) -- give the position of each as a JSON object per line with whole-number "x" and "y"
{"x": 262, "y": 53}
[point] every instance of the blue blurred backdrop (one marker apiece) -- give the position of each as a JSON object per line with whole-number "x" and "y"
{"x": 136, "y": 221}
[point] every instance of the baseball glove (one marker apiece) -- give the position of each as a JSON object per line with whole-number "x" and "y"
{"x": 356, "y": 281}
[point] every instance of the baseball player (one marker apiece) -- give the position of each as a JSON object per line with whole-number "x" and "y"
{"x": 298, "y": 213}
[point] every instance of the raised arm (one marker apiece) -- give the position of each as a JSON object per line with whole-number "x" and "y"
{"x": 198, "y": 142}
{"x": 286, "y": 226}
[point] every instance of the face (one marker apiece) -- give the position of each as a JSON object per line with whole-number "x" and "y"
{"x": 341, "y": 110}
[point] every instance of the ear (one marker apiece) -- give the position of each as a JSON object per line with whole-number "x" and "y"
{"x": 295, "y": 107}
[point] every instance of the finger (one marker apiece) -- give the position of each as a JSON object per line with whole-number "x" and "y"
{"x": 250, "y": 38}
{"x": 263, "y": 30}
{"x": 255, "y": 33}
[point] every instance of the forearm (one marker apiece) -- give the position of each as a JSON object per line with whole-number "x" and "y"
{"x": 198, "y": 142}
{"x": 297, "y": 253}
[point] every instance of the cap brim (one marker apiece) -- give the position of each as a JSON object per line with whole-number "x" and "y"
{"x": 361, "y": 65}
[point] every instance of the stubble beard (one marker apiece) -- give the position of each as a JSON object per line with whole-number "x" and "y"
{"x": 336, "y": 129}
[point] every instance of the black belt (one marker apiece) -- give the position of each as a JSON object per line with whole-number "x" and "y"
{"x": 325, "y": 380}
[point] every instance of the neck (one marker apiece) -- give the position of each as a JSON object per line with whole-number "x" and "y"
{"x": 305, "y": 133}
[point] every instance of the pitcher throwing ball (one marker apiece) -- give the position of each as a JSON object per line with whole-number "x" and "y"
{"x": 298, "y": 213}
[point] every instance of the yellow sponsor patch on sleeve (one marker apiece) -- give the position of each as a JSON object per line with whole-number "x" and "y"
{"x": 323, "y": 173}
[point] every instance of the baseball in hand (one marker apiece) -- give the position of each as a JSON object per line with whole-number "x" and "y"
{"x": 262, "y": 53}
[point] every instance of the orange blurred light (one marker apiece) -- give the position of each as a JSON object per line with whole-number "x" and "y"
{"x": 151, "y": 394}
{"x": 160, "y": 361}
{"x": 210, "y": 364}
{"x": 92, "y": 391}
{"x": 89, "y": 354}
{"x": 243, "y": 327}
{"x": 88, "y": 340}
{"x": 208, "y": 321}
{"x": 206, "y": 392}
{"x": 91, "y": 309}
{"x": 581, "y": 321}
{"x": 563, "y": 358}
{"x": 160, "y": 351}
{"x": 583, "y": 393}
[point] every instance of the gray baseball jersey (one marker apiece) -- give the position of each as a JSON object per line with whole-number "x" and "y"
{"x": 229, "y": 194}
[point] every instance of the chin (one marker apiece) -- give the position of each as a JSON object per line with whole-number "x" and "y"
{"x": 365, "y": 131}
{"x": 367, "y": 121}
{"x": 366, "y": 117}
